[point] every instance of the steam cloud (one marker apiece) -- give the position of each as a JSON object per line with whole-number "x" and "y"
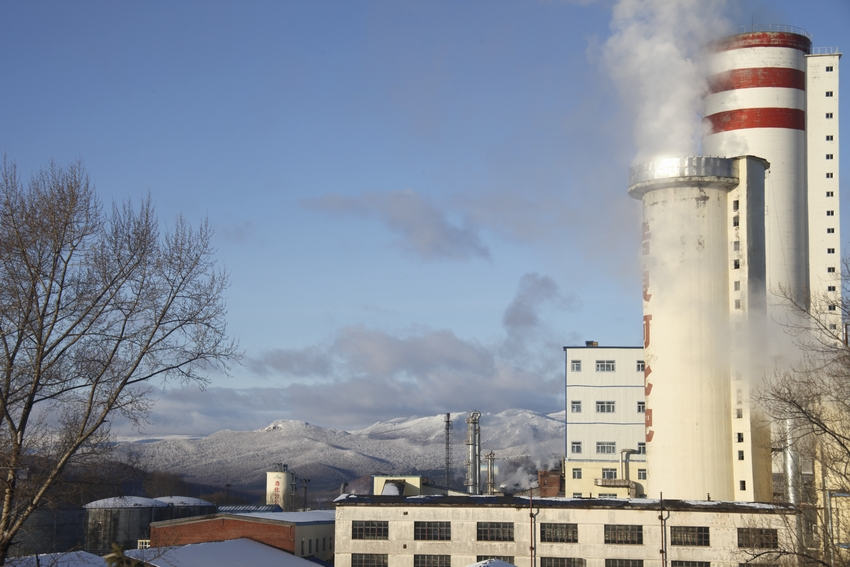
{"x": 655, "y": 57}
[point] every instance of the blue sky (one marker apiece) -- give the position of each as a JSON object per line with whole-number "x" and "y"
{"x": 419, "y": 202}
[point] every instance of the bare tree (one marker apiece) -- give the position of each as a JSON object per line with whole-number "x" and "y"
{"x": 812, "y": 399}
{"x": 93, "y": 304}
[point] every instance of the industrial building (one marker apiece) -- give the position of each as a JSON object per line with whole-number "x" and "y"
{"x": 605, "y": 445}
{"x": 303, "y": 534}
{"x": 396, "y": 531}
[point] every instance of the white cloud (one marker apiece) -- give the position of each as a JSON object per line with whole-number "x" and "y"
{"x": 422, "y": 229}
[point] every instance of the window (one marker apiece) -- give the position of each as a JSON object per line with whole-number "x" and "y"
{"x": 762, "y": 538}
{"x": 736, "y": 286}
{"x": 739, "y": 413}
{"x": 562, "y": 562}
{"x": 641, "y": 407}
{"x": 575, "y": 406}
{"x": 641, "y": 474}
{"x": 577, "y": 474}
{"x": 575, "y": 447}
{"x": 829, "y": 175}
{"x": 829, "y": 93}
{"x": 604, "y": 407}
{"x": 432, "y": 561}
{"x": 621, "y": 533}
{"x": 641, "y": 366}
{"x": 739, "y": 437}
{"x": 829, "y": 68}
{"x": 689, "y": 535}
{"x": 441, "y": 531}
{"x": 829, "y": 137}
{"x": 576, "y": 494}
{"x": 830, "y": 194}
{"x": 505, "y": 558}
{"x": 831, "y": 308}
{"x": 324, "y": 544}
{"x": 495, "y": 531}
{"x": 736, "y": 221}
{"x": 736, "y": 245}
{"x": 830, "y": 270}
{"x": 740, "y": 455}
{"x": 832, "y": 326}
{"x": 310, "y": 546}
{"x": 607, "y": 495}
{"x": 830, "y": 231}
{"x": 735, "y": 204}
{"x": 742, "y": 485}
{"x": 641, "y": 448}
{"x": 575, "y": 366}
{"x": 624, "y": 563}
{"x": 559, "y": 533}
{"x": 829, "y": 156}
{"x": 302, "y": 547}
{"x": 369, "y": 560}
{"x": 830, "y": 213}
{"x": 606, "y": 448}
{"x": 830, "y": 288}
{"x": 369, "y": 529}
{"x": 828, "y": 115}
{"x": 830, "y": 250}
{"x": 676, "y": 563}
{"x": 736, "y": 264}
{"x": 605, "y": 366}
{"x": 737, "y": 304}
{"x": 610, "y": 474}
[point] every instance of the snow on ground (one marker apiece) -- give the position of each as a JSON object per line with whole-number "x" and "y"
{"x": 414, "y": 445}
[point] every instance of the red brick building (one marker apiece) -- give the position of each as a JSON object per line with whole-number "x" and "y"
{"x": 303, "y": 534}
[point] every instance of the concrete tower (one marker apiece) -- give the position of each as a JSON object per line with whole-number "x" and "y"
{"x": 704, "y": 274}
{"x": 757, "y": 106}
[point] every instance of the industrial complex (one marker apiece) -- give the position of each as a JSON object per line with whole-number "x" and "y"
{"x": 667, "y": 459}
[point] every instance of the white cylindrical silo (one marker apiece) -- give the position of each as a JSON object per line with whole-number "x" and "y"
{"x": 686, "y": 324}
{"x": 757, "y": 106}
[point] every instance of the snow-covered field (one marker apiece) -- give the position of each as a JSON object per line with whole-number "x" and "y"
{"x": 329, "y": 457}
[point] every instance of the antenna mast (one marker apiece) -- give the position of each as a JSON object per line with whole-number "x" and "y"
{"x": 448, "y": 449}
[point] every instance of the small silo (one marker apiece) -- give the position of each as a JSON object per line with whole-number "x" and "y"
{"x": 123, "y": 520}
{"x": 186, "y": 507}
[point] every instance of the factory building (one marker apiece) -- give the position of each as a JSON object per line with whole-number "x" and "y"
{"x": 730, "y": 240}
{"x": 445, "y": 531}
{"x": 605, "y": 446}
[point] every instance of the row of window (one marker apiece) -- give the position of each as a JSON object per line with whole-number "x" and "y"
{"x": 604, "y": 406}
{"x": 604, "y": 366}
{"x": 310, "y": 545}
{"x": 608, "y": 473}
{"x": 626, "y": 534}
{"x": 382, "y": 560}
{"x": 605, "y": 448}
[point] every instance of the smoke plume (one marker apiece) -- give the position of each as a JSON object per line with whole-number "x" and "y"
{"x": 655, "y": 57}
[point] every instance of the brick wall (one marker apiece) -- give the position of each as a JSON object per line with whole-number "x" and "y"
{"x": 222, "y": 529}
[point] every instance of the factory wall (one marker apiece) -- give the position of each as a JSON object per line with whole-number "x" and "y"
{"x": 397, "y": 545}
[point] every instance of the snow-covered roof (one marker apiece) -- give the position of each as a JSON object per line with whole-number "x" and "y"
{"x": 492, "y": 563}
{"x": 295, "y": 517}
{"x": 126, "y": 502}
{"x": 69, "y": 559}
{"x": 232, "y": 553}
{"x": 183, "y": 501}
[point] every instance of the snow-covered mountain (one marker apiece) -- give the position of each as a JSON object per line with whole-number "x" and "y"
{"x": 329, "y": 457}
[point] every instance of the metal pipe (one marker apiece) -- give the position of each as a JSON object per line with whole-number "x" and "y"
{"x": 473, "y": 462}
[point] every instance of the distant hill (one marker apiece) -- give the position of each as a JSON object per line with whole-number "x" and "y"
{"x": 329, "y": 457}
